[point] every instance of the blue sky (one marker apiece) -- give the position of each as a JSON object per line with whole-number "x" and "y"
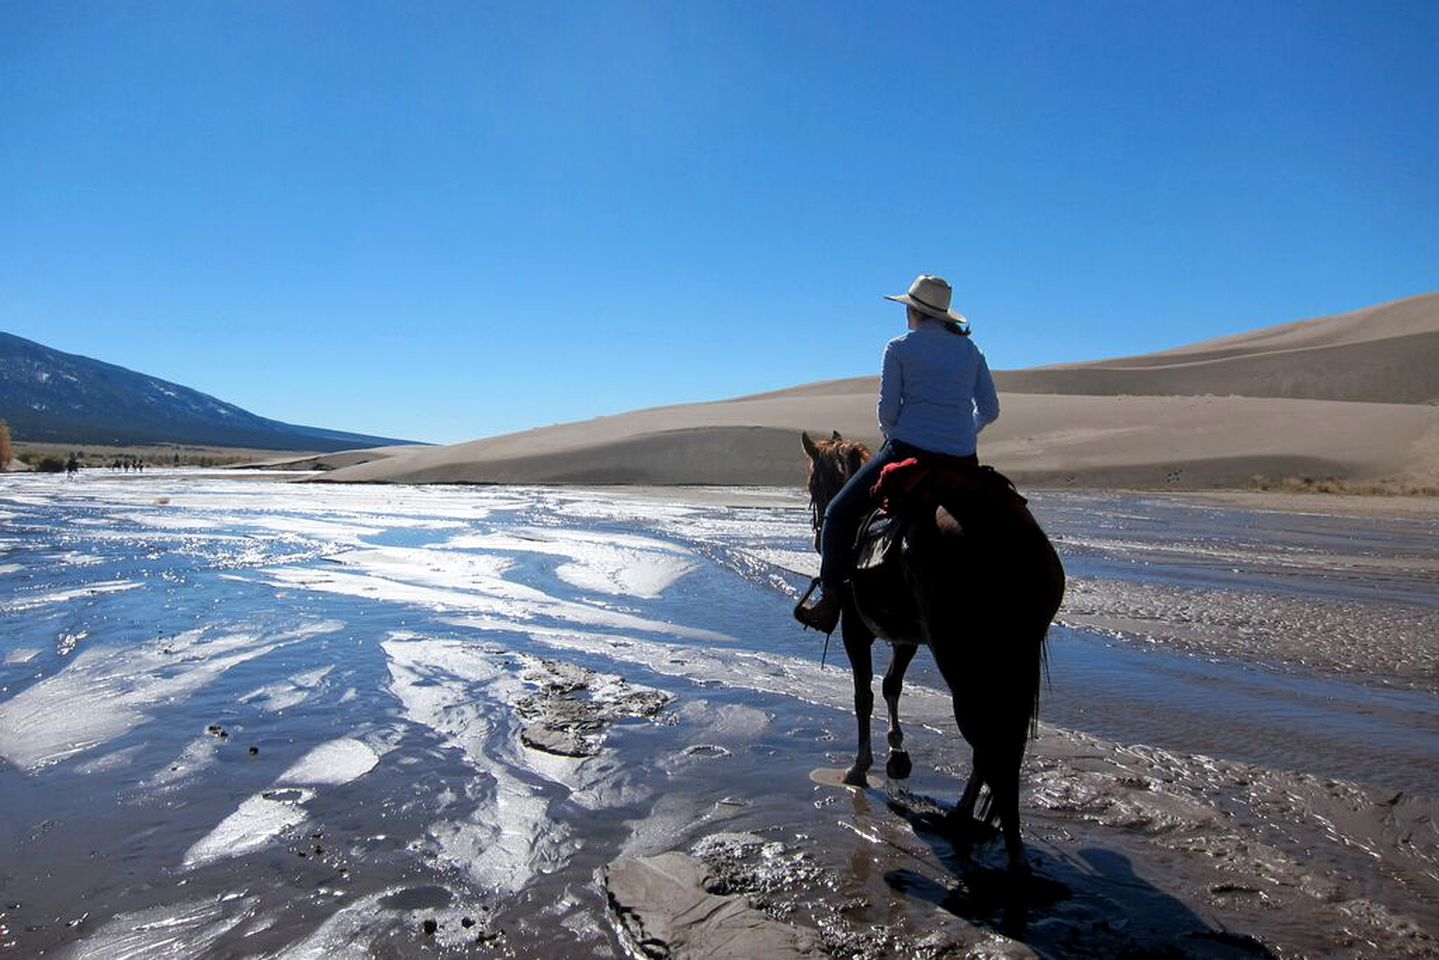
{"x": 449, "y": 220}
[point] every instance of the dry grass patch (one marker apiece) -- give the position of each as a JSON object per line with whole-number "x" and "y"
{"x": 1384, "y": 487}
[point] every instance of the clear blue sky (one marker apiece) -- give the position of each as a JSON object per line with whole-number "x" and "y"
{"x": 449, "y": 220}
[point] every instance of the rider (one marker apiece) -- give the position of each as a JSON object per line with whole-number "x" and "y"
{"x": 935, "y": 395}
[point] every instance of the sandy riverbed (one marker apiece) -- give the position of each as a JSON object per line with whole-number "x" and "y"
{"x": 500, "y": 710}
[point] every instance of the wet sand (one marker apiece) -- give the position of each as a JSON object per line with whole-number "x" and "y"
{"x": 1322, "y": 504}
{"x": 482, "y": 718}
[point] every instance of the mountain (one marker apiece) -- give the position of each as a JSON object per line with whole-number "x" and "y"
{"x": 47, "y": 395}
{"x": 1383, "y": 354}
{"x": 1346, "y": 397}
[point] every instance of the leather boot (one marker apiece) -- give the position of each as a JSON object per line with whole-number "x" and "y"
{"x": 823, "y": 613}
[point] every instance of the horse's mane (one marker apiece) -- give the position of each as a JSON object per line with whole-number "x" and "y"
{"x": 834, "y": 461}
{"x": 843, "y": 450}
{"x": 831, "y": 463}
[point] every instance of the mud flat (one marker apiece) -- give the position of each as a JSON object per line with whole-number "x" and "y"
{"x": 245, "y": 718}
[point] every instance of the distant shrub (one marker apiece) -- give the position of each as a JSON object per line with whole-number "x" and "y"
{"x": 49, "y": 464}
{"x": 7, "y": 450}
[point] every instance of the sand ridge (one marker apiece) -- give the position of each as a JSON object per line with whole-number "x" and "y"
{"x": 1384, "y": 354}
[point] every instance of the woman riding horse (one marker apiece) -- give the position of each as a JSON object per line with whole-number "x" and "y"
{"x": 982, "y": 580}
{"x": 935, "y": 395}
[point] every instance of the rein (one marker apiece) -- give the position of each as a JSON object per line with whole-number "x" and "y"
{"x": 816, "y": 512}
{"x": 817, "y": 509}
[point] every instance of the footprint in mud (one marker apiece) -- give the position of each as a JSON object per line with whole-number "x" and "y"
{"x": 706, "y": 750}
{"x": 290, "y": 795}
{"x": 693, "y": 754}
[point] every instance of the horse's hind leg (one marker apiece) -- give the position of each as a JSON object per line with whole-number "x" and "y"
{"x": 857, "y": 646}
{"x": 1005, "y": 790}
{"x": 898, "y": 766}
{"x": 959, "y": 822}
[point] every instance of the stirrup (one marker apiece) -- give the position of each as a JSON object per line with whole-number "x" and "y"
{"x": 813, "y": 586}
{"x": 801, "y": 611}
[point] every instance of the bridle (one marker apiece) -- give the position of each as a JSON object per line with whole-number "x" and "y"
{"x": 816, "y": 511}
{"x": 833, "y": 461}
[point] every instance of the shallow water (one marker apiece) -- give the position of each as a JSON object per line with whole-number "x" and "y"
{"x": 240, "y": 716}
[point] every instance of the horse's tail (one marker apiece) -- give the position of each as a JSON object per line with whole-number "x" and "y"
{"x": 1041, "y": 681}
{"x": 1041, "y": 673}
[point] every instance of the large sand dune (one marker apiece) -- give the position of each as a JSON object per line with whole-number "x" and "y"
{"x": 1198, "y": 417}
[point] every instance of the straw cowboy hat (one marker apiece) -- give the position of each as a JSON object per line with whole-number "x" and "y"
{"x": 930, "y": 296}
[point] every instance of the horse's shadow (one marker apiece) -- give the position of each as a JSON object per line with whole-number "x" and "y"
{"x": 1092, "y": 905}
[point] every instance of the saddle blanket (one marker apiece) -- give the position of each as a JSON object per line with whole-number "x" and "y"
{"x": 908, "y": 486}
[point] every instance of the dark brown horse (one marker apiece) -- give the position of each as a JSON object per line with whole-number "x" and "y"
{"x": 986, "y": 583}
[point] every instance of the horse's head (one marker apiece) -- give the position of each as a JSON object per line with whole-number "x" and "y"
{"x": 831, "y": 463}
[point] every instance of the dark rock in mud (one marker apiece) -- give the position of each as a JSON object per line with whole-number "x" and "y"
{"x": 574, "y": 707}
{"x": 559, "y": 725}
{"x": 663, "y": 909}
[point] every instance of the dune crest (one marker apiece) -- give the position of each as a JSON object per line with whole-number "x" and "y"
{"x": 1383, "y": 354}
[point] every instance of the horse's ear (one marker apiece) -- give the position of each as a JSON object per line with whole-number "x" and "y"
{"x": 809, "y": 446}
{"x": 836, "y": 436}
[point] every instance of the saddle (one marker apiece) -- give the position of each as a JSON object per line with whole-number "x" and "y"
{"x": 909, "y": 493}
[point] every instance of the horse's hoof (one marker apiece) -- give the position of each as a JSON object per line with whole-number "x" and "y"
{"x": 898, "y": 766}
{"x": 855, "y": 777}
{"x": 958, "y": 828}
{"x": 1019, "y": 868}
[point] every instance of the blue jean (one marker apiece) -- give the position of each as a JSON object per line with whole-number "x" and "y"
{"x": 846, "y": 510}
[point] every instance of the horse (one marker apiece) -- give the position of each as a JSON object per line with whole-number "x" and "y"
{"x": 831, "y": 465}
{"x": 985, "y": 584}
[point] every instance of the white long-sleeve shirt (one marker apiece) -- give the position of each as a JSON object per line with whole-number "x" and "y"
{"x": 936, "y": 392}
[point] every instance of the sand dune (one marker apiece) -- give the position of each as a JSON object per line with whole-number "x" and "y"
{"x": 1212, "y": 415}
{"x": 1183, "y": 442}
{"x": 1385, "y": 354}
{"x": 324, "y": 461}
